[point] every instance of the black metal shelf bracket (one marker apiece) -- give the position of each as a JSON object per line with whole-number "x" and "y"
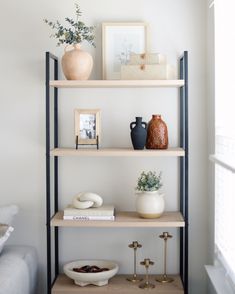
{"x": 184, "y": 170}
{"x": 50, "y": 57}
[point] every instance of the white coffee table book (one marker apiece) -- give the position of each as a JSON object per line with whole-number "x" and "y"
{"x": 105, "y": 212}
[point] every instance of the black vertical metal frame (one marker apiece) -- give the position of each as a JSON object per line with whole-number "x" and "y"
{"x": 184, "y": 170}
{"x": 50, "y": 57}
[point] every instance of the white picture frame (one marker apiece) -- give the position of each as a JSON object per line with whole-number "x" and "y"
{"x": 87, "y": 126}
{"x": 119, "y": 39}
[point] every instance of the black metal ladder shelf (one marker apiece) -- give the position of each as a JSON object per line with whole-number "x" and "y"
{"x": 52, "y": 68}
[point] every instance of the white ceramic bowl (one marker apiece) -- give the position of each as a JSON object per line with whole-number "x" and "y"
{"x": 98, "y": 279}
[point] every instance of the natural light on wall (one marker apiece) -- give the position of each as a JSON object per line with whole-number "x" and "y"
{"x": 225, "y": 134}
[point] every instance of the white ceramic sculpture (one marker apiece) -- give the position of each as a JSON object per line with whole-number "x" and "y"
{"x": 87, "y": 200}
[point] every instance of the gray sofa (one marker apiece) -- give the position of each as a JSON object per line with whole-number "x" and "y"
{"x": 18, "y": 270}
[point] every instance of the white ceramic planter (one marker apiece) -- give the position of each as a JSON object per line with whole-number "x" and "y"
{"x": 150, "y": 204}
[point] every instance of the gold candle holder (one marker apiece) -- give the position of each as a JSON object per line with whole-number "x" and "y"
{"x": 134, "y": 245}
{"x": 164, "y": 278}
{"x": 147, "y": 285}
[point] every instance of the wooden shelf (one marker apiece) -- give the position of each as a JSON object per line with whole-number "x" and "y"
{"x": 124, "y": 219}
{"x": 117, "y": 285}
{"x": 116, "y": 152}
{"x": 117, "y": 84}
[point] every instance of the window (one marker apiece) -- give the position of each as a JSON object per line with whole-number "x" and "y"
{"x": 225, "y": 136}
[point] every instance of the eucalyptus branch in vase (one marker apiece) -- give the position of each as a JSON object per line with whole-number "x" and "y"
{"x": 149, "y": 202}
{"x": 76, "y": 63}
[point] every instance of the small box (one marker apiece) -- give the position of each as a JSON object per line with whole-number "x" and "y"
{"x": 147, "y": 58}
{"x": 148, "y": 72}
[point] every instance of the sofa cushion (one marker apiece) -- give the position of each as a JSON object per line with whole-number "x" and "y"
{"x": 7, "y": 213}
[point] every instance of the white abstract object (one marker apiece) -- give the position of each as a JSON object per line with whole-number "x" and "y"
{"x": 87, "y": 200}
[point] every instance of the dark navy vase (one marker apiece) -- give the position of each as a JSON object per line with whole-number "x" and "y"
{"x": 138, "y": 133}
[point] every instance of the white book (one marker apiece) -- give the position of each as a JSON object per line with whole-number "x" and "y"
{"x": 105, "y": 210}
{"x": 89, "y": 218}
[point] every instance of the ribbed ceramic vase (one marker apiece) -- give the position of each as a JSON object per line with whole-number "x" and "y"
{"x": 76, "y": 63}
{"x": 157, "y": 133}
{"x": 150, "y": 204}
{"x": 138, "y": 133}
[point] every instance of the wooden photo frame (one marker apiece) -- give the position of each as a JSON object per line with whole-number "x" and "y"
{"x": 87, "y": 126}
{"x": 118, "y": 41}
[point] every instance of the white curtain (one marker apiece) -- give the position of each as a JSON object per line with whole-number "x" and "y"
{"x": 225, "y": 134}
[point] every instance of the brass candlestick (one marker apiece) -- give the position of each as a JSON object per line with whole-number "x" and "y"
{"x": 165, "y": 279}
{"x": 135, "y": 245}
{"x": 146, "y": 285}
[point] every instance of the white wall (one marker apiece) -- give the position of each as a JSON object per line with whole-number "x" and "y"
{"x": 175, "y": 26}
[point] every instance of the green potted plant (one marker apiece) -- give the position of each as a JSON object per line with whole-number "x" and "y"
{"x": 76, "y": 63}
{"x": 149, "y": 202}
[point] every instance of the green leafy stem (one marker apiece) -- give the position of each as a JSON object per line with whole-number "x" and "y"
{"x": 76, "y": 32}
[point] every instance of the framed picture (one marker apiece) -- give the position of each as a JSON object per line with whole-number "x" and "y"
{"x": 87, "y": 127}
{"x": 118, "y": 41}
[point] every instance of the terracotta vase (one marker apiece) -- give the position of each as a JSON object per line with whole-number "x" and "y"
{"x": 76, "y": 63}
{"x": 157, "y": 134}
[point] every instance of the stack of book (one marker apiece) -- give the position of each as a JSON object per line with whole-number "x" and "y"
{"x": 105, "y": 212}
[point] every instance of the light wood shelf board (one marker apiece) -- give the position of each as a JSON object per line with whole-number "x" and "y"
{"x": 117, "y": 84}
{"x": 124, "y": 219}
{"x": 117, "y": 152}
{"x": 117, "y": 285}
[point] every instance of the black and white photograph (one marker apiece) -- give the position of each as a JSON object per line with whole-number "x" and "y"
{"x": 87, "y": 126}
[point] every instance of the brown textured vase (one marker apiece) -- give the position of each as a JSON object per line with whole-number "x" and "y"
{"x": 157, "y": 134}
